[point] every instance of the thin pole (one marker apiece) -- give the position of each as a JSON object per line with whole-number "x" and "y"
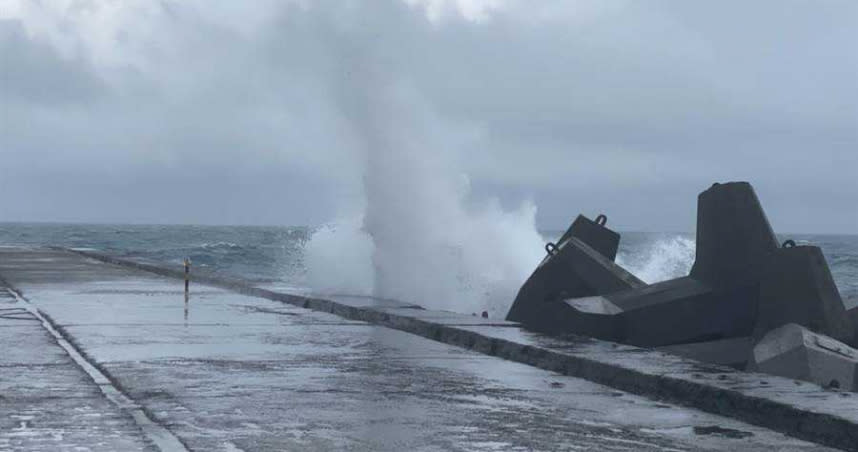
{"x": 187, "y": 275}
{"x": 187, "y": 263}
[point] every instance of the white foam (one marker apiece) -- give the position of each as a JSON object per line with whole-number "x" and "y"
{"x": 660, "y": 260}
{"x": 338, "y": 258}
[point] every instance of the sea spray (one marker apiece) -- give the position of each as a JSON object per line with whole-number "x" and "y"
{"x": 663, "y": 258}
{"x": 427, "y": 240}
{"x": 338, "y": 258}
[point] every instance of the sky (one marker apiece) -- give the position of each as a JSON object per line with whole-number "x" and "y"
{"x": 223, "y": 112}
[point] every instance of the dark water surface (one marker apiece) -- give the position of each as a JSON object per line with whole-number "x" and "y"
{"x": 276, "y": 253}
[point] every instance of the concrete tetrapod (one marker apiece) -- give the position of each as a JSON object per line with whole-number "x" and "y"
{"x": 716, "y": 301}
{"x": 795, "y": 287}
{"x": 742, "y": 285}
{"x": 573, "y": 268}
{"x": 794, "y": 351}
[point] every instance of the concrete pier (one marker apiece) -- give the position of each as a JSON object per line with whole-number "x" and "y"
{"x": 246, "y": 371}
{"x": 47, "y": 401}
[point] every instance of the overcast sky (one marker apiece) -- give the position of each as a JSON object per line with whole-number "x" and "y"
{"x": 227, "y": 113}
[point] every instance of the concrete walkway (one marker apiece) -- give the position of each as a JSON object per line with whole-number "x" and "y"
{"x": 234, "y": 372}
{"x": 47, "y": 401}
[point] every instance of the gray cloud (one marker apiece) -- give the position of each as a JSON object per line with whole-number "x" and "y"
{"x": 628, "y": 108}
{"x": 33, "y": 73}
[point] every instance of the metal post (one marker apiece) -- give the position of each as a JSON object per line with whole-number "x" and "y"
{"x": 187, "y": 275}
{"x": 187, "y": 263}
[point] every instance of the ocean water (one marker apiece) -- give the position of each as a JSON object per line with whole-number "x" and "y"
{"x": 275, "y": 255}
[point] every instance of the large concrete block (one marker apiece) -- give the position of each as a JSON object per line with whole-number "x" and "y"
{"x": 718, "y": 300}
{"x": 734, "y": 238}
{"x": 797, "y": 287}
{"x": 678, "y": 311}
{"x": 572, "y": 269}
{"x": 793, "y": 351}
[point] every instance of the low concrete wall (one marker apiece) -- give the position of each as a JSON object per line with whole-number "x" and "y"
{"x": 798, "y": 409}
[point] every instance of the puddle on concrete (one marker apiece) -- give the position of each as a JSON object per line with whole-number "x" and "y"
{"x": 721, "y": 431}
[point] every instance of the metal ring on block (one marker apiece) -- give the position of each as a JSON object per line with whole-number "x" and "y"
{"x": 601, "y": 220}
{"x": 551, "y": 248}
{"x": 788, "y": 244}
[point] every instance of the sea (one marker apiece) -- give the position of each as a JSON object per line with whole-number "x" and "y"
{"x": 274, "y": 255}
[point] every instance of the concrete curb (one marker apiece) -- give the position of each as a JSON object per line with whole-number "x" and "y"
{"x": 797, "y": 409}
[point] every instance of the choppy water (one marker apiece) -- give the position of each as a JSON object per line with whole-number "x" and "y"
{"x": 276, "y": 254}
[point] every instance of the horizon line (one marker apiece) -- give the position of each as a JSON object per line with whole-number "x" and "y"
{"x": 214, "y": 225}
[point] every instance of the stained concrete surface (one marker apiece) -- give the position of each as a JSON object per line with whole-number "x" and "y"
{"x": 240, "y": 372}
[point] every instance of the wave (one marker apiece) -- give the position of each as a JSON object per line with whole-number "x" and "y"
{"x": 659, "y": 260}
{"x": 220, "y": 245}
{"x": 340, "y": 258}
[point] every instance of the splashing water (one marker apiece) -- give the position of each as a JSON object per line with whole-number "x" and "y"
{"x": 338, "y": 258}
{"x": 422, "y": 237}
{"x": 659, "y": 260}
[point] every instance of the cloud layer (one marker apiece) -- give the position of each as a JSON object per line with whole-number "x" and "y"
{"x": 232, "y": 113}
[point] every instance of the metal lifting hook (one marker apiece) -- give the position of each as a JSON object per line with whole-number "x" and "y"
{"x": 551, "y": 248}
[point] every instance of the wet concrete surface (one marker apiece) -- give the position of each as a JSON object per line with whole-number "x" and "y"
{"x": 234, "y": 372}
{"x": 47, "y": 403}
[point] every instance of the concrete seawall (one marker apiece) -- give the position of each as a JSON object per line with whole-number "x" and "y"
{"x": 798, "y": 409}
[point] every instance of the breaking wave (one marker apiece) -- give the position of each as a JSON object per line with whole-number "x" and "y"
{"x": 657, "y": 260}
{"x": 220, "y": 245}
